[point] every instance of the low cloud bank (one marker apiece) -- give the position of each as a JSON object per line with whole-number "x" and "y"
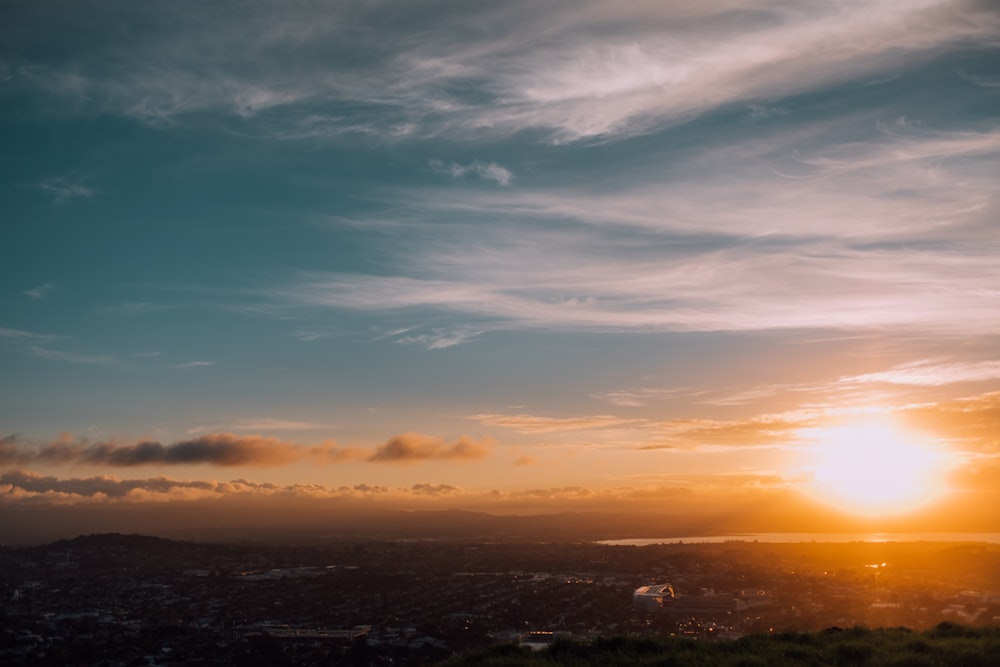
{"x": 220, "y": 449}
{"x": 231, "y": 450}
{"x": 19, "y": 486}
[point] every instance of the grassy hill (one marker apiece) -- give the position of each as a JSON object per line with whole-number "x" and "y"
{"x": 947, "y": 644}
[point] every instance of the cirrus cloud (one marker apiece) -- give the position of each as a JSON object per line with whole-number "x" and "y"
{"x": 576, "y": 70}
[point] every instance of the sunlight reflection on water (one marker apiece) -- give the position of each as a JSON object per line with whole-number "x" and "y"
{"x": 786, "y": 538}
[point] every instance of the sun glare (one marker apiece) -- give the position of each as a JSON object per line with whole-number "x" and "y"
{"x": 875, "y": 469}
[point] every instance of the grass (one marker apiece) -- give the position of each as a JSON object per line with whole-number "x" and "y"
{"x": 946, "y": 645}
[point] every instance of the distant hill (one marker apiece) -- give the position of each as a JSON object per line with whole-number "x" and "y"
{"x": 133, "y": 541}
{"x": 103, "y": 550}
{"x": 292, "y": 518}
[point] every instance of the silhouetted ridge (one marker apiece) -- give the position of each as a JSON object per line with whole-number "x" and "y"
{"x": 117, "y": 541}
{"x": 108, "y": 549}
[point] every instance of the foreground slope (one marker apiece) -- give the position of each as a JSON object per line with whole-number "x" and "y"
{"x": 947, "y": 644}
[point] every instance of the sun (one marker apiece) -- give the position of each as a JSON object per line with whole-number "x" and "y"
{"x": 875, "y": 468}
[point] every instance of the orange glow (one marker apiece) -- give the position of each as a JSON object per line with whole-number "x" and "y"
{"x": 875, "y": 469}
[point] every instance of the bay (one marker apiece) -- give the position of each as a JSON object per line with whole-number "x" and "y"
{"x": 789, "y": 538}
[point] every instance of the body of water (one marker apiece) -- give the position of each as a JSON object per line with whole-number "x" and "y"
{"x": 788, "y": 538}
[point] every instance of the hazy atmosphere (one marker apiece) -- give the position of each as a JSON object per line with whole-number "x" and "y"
{"x": 273, "y": 262}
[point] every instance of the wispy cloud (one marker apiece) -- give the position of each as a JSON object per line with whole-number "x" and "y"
{"x": 757, "y": 431}
{"x": 19, "y": 334}
{"x": 311, "y": 335}
{"x": 646, "y": 434}
{"x": 262, "y": 424}
{"x": 577, "y": 70}
{"x": 133, "y": 308}
{"x": 968, "y": 423}
{"x": 537, "y": 424}
{"x": 71, "y": 357}
{"x": 488, "y": 171}
{"x": 981, "y": 81}
{"x": 194, "y": 364}
{"x": 268, "y": 424}
{"x": 893, "y": 182}
{"x": 639, "y": 396}
{"x": 932, "y": 373}
{"x": 39, "y": 292}
{"x": 724, "y": 290}
{"x": 754, "y": 394}
{"x": 886, "y": 232}
{"x": 63, "y": 191}
{"x": 436, "y": 338}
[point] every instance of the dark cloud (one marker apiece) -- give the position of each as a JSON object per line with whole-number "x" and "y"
{"x": 410, "y": 447}
{"x": 220, "y": 449}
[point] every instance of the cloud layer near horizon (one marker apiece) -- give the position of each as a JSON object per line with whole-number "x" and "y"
{"x": 967, "y": 423}
{"x": 232, "y": 450}
{"x": 26, "y": 487}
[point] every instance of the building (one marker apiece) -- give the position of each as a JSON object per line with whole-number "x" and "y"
{"x": 662, "y": 597}
{"x": 652, "y": 598}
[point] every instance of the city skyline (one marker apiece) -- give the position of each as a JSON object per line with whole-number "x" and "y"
{"x": 710, "y": 258}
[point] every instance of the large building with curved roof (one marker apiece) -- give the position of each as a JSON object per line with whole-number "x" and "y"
{"x": 651, "y": 598}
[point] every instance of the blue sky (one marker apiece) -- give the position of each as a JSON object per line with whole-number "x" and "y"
{"x": 607, "y": 247}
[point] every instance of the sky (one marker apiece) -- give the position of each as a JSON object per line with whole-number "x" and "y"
{"x": 513, "y": 257}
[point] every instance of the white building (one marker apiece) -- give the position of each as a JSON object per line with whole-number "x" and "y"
{"x": 651, "y": 598}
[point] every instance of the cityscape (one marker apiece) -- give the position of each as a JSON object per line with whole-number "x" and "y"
{"x": 114, "y": 599}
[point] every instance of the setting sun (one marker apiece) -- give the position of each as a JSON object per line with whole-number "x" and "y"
{"x": 875, "y": 469}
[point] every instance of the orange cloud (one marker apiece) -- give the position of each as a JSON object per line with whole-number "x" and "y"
{"x": 973, "y": 422}
{"x": 424, "y": 489}
{"x": 412, "y": 447}
{"x": 535, "y": 424}
{"x": 753, "y": 432}
{"x": 28, "y": 488}
{"x": 756, "y": 431}
{"x": 933, "y": 374}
